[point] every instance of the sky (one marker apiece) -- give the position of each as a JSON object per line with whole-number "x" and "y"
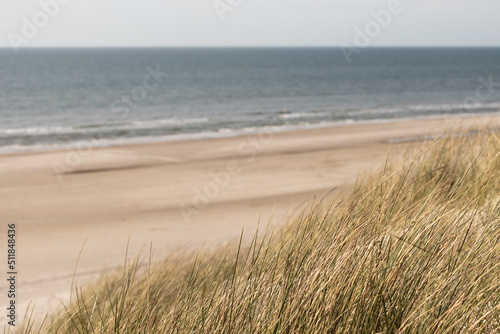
{"x": 164, "y": 23}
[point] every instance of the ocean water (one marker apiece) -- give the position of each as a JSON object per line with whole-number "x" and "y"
{"x": 57, "y": 98}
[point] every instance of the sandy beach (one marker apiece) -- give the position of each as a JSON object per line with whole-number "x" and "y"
{"x": 174, "y": 196}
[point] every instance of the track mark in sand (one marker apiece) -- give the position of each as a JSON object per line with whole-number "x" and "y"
{"x": 111, "y": 169}
{"x": 160, "y": 161}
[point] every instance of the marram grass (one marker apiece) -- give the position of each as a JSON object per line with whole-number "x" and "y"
{"x": 415, "y": 248}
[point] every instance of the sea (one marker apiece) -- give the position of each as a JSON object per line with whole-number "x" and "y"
{"x": 56, "y": 98}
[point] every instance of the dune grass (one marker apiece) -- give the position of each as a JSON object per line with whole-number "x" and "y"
{"x": 415, "y": 248}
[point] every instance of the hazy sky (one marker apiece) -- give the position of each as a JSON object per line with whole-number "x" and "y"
{"x": 248, "y": 22}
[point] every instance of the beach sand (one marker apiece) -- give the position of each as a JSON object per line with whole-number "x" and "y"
{"x": 175, "y": 196}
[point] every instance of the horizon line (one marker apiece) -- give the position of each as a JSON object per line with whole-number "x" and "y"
{"x": 256, "y": 46}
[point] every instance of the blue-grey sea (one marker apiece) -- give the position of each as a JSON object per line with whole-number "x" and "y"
{"x": 59, "y": 98}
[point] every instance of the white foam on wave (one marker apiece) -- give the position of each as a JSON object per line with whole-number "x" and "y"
{"x": 36, "y": 130}
{"x": 302, "y": 115}
{"x": 96, "y": 127}
{"x": 481, "y": 105}
{"x": 433, "y": 107}
{"x": 172, "y": 121}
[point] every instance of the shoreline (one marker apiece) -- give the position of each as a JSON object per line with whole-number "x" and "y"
{"x": 235, "y": 133}
{"x": 137, "y": 192}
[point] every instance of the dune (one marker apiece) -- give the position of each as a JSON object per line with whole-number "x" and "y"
{"x": 87, "y": 209}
